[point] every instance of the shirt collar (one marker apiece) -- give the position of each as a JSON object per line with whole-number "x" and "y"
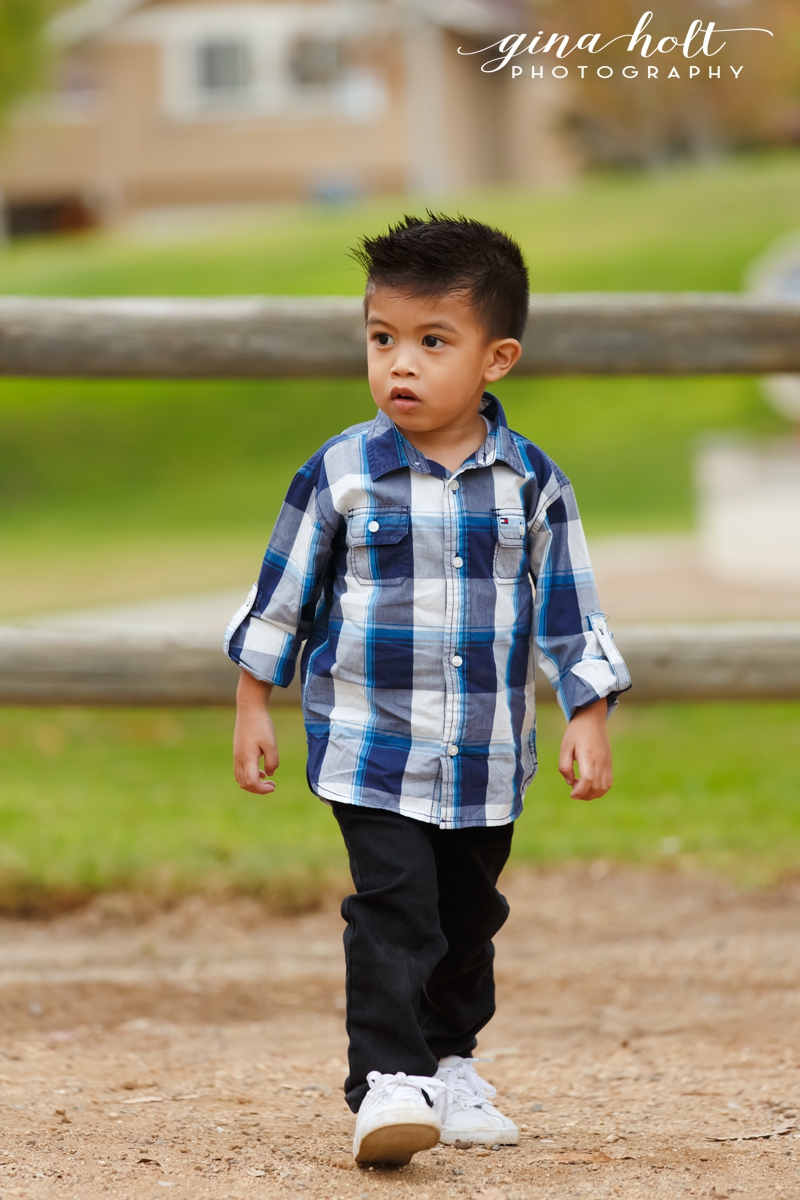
{"x": 388, "y": 450}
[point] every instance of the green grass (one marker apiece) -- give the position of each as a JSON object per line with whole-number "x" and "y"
{"x": 123, "y": 490}
{"x": 687, "y": 227}
{"x": 189, "y": 476}
{"x": 145, "y": 800}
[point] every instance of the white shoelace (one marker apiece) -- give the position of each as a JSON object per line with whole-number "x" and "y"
{"x": 400, "y": 1086}
{"x": 465, "y": 1086}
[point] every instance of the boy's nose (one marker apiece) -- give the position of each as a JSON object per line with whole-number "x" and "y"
{"x": 404, "y": 367}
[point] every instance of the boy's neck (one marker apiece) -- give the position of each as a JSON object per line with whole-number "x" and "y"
{"x": 451, "y": 446}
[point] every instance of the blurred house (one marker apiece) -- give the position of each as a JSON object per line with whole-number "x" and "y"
{"x": 187, "y": 102}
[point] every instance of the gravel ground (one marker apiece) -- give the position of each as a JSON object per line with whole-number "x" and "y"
{"x": 647, "y": 1042}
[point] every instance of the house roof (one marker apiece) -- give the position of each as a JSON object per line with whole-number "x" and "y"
{"x": 90, "y": 18}
{"x": 468, "y": 16}
{"x": 94, "y": 17}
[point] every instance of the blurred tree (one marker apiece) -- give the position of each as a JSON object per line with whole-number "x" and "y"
{"x": 22, "y": 45}
{"x": 646, "y": 122}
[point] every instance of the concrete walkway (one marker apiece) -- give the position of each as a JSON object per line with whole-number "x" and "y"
{"x": 654, "y": 578}
{"x": 205, "y": 616}
{"x": 685, "y": 634}
{"x": 649, "y": 578}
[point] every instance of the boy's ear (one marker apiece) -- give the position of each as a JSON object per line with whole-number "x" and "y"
{"x": 505, "y": 354}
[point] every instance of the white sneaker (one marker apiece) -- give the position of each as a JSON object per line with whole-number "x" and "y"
{"x": 464, "y": 1107}
{"x": 398, "y": 1117}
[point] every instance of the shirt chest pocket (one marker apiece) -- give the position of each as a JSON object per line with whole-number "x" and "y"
{"x": 510, "y": 537}
{"x": 379, "y": 544}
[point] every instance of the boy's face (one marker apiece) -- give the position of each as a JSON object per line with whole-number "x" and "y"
{"x": 429, "y": 359}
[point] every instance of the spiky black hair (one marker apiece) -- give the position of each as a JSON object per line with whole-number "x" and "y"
{"x": 452, "y": 254}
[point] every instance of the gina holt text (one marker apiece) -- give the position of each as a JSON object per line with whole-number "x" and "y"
{"x": 629, "y": 72}
{"x": 699, "y": 40}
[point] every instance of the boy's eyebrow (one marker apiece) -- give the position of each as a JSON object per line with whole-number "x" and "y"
{"x": 439, "y": 325}
{"x": 425, "y": 325}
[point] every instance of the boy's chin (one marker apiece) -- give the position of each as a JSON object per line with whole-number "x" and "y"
{"x": 409, "y": 413}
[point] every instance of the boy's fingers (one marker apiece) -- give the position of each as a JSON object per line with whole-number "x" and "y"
{"x": 583, "y": 788}
{"x": 249, "y": 777}
{"x": 246, "y": 771}
{"x": 566, "y": 764}
{"x": 259, "y": 787}
{"x": 271, "y": 762}
{"x": 592, "y": 784}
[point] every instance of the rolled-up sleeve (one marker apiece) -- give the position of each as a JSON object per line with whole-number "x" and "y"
{"x": 266, "y": 634}
{"x": 574, "y": 647}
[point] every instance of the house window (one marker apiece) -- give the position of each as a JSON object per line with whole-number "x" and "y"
{"x": 314, "y": 62}
{"x": 36, "y": 218}
{"x": 77, "y": 82}
{"x": 224, "y": 69}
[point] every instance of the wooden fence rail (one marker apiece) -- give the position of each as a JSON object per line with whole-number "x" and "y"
{"x": 279, "y": 337}
{"x": 263, "y": 337}
{"x": 745, "y": 661}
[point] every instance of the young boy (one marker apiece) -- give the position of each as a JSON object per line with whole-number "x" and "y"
{"x": 420, "y": 557}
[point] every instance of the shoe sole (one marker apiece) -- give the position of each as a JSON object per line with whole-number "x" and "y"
{"x": 396, "y": 1144}
{"x": 481, "y": 1137}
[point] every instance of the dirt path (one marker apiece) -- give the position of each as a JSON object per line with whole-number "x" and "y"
{"x": 641, "y": 1015}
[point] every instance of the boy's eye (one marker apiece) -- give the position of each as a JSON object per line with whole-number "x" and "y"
{"x": 383, "y": 339}
{"x": 431, "y": 342}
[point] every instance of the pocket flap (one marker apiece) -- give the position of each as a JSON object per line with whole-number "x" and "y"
{"x": 377, "y": 526}
{"x": 509, "y": 526}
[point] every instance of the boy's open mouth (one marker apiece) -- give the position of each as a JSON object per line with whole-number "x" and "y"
{"x": 404, "y": 398}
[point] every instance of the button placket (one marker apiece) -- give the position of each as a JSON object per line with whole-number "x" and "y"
{"x": 454, "y": 577}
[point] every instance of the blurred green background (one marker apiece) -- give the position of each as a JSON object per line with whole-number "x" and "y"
{"x": 122, "y": 491}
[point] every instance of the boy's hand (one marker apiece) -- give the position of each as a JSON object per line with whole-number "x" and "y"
{"x": 254, "y": 737}
{"x": 586, "y": 741}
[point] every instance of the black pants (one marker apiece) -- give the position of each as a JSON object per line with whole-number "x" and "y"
{"x": 418, "y": 943}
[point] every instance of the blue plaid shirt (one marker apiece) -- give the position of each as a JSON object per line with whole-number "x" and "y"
{"x": 412, "y": 590}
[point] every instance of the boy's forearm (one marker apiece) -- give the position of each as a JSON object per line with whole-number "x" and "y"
{"x": 596, "y": 711}
{"x": 252, "y": 692}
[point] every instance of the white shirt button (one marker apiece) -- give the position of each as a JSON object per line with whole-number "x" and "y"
{"x": 458, "y": 562}
{"x": 452, "y": 751}
{"x": 454, "y": 485}
{"x": 373, "y": 526}
{"x": 456, "y": 660}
